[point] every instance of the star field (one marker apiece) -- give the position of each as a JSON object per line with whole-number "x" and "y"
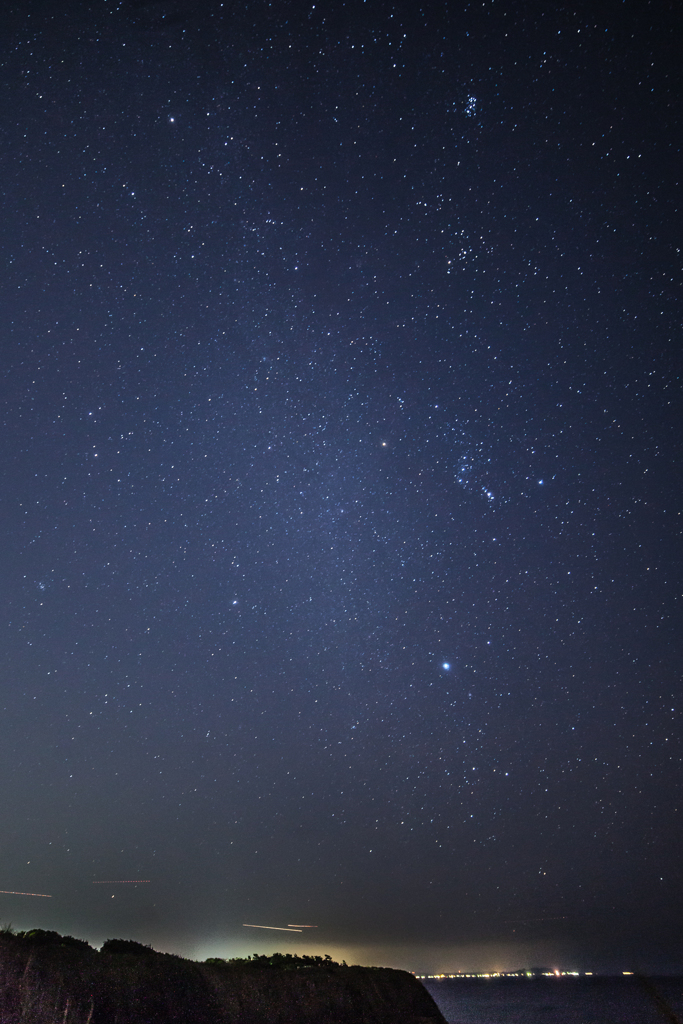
{"x": 341, "y": 489}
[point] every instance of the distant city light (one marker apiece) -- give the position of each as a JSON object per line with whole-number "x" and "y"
{"x": 508, "y": 974}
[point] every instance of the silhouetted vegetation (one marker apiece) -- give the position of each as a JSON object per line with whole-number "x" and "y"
{"x": 47, "y": 978}
{"x": 39, "y": 937}
{"x": 126, "y": 946}
{"x": 282, "y": 961}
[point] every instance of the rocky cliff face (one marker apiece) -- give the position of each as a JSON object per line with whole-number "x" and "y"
{"x": 46, "y": 978}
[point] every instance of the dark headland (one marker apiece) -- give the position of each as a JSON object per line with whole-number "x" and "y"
{"x": 46, "y": 978}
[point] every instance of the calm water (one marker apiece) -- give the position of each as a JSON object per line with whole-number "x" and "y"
{"x": 559, "y": 1000}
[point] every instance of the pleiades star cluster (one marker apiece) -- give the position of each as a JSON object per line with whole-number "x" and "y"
{"x": 341, "y": 477}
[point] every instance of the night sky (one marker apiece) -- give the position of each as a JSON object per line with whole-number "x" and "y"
{"x": 341, "y": 478}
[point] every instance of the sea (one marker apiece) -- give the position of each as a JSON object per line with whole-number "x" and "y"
{"x": 563, "y": 1000}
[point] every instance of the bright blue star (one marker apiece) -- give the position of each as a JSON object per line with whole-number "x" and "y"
{"x": 446, "y": 665}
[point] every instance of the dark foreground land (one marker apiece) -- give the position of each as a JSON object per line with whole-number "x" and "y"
{"x": 46, "y": 978}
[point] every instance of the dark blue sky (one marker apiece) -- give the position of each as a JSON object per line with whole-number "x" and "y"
{"x": 341, "y": 487}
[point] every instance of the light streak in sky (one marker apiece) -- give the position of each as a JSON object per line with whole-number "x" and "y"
{"x": 10, "y": 892}
{"x": 124, "y": 881}
{"x": 271, "y": 927}
{"x": 302, "y": 926}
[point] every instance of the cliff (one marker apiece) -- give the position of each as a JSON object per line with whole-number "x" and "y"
{"x": 46, "y": 978}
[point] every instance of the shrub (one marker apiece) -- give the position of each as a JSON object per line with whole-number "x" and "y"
{"x": 40, "y": 937}
{"x": 126, "y": 946}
